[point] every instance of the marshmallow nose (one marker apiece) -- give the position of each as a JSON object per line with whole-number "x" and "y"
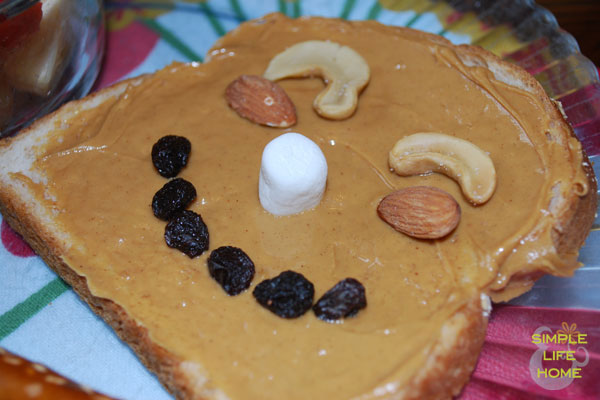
{"x": 293, "y": 174}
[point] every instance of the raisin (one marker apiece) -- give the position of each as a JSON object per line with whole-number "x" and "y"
{"x": 289, "y": 295}
{"x": 170, "y": 155}
{"x": 173, "y": 197}
{"x": 188, "y": 233}
{"x": 345, "y": 299}
{"x": 232, "y": 268}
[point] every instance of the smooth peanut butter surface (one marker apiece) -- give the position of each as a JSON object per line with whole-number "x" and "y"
{"x": 101, "y": 182}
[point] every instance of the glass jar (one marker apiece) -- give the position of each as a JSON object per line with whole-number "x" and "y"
{"x": 50, "y": 52}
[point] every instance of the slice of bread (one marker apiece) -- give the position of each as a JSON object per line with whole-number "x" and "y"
{"x": 440, "y": 335}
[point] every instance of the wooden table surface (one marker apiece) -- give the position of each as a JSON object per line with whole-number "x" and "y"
{"x": 581, "y": 18}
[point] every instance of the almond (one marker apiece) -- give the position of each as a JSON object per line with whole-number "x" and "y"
{"x": 261, "y": 101}
{"x": 422, "y": 212}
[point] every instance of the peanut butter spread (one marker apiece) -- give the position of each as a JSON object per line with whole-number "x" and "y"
{"x": 101, "y": 182}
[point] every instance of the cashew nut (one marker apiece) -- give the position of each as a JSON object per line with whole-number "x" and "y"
{"x": 343, "y": 69}
{"x": 459, "y": 159}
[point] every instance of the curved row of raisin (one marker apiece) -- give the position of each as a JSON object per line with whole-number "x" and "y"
{"x": 185, "y": 230}
{"x": 288, "y": 295}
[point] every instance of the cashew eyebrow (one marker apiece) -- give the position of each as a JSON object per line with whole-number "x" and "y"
{"x": 343, "y": 69}
{"x": 456, "y": 158}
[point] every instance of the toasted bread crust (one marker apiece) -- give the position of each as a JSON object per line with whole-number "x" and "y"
{"x": 575, "y": 220}
{"x": 155, "y": 358}
{"x": 451, "y": 358}
{"x": 578, "y": 218}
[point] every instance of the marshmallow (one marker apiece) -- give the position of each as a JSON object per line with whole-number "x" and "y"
{"x": 293, "y": 174}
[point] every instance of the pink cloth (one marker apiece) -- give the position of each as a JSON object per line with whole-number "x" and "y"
{"x": 502, "y": 371}
{"x": 124, "y": 50}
